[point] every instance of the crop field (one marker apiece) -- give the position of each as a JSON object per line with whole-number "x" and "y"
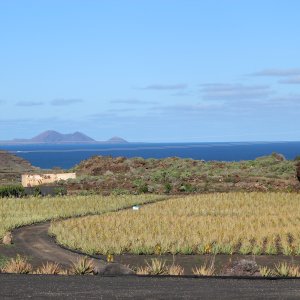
{"x": 17, "y": 212}
{"x": 245, "y": 223}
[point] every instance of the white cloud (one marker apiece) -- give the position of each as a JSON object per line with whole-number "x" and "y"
{"x": 277, "y": 72}
{"x": 63, "y": 102}
{"x": 292, "y": 80}
{"x": 177, "y": 86}
{"x": 219, "y": 91}
{"x": 131, "y": 101}
{"x": 29, "y": 103}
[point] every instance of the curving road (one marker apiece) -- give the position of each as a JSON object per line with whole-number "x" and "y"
{"x": 34, "y": 242}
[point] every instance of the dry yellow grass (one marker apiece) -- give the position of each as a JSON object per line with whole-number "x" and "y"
{"x": 19, "y": 265}
{"x": 50, "y": 268}
{"x": 18, "y": 212}
{"x": 213, "y": 223}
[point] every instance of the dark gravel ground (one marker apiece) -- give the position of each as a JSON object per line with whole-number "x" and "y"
{"x": 132, "y": 287}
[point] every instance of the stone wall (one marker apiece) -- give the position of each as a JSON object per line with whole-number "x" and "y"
{"x": 29, "y": 180}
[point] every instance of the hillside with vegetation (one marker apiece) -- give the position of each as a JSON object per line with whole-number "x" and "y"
{"x": 173, "y": 175}
{"x": 107, "y": 175}
{"x": 12, "y": 166}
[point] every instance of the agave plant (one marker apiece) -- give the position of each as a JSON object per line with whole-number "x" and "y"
{"x": 207, "y": 269}
{"x": 82, "y": 266}
{"x": 175, "y": 270}
{"x": 294, "y": 271}
{"x": 142, "y": 271}
{"x": 157, "y": 267}
{"x": 282, "y": 269}
{"x": 49, "y": 268}
{"x": 18, "y": 265}
{"x": 265, "y": 271}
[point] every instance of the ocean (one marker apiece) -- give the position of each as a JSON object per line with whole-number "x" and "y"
{"x": 66, "y": 156}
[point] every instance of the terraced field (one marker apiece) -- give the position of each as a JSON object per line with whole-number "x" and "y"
{"x": 18, "y": 212}
{"x": 245, "y": 223}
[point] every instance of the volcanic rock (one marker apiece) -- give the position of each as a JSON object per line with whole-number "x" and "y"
{"x": 244, "y": 267}
{"x": 112, "y": 269}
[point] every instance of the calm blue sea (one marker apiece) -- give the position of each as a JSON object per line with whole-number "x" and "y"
{"x": 66, "y": 156}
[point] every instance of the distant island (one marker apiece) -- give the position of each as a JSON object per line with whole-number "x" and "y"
{"x": 54, "y": 137}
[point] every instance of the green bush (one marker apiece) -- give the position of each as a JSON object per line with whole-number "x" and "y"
{"x": 168, "y": 187}
{"x": 141, "y": 186}
{"x": 120, "y": 191}
{"x": 37, "y": 192}
{"x": 12, "y": 191}
{"x": 187, "y": 188}
{"x": 60, "y": 191}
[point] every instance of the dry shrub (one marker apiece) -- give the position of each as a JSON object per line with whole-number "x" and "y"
{"x": 142, "y": 271}
{"x": 294, "y": 271}
{"x": 82, "y": 266}
{"x": 265, "y": 271}
{"x": 283, "y": 269}
{"x": 207, "y": 269}
{"x": 157, "y": 267}
{"x": 203, "y": 270}
{"x": 50, "y": 268}
{"x": 175, "y": 270}
{"x": 18, "y": 265}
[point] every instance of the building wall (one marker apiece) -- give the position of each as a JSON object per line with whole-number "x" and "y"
{"x": 38, "y": 179}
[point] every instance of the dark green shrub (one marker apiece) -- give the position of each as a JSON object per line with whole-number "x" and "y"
{"x": 187, "y": 188}
{"x": 120, "y": 191}
{"x": 12, "y": 191}
{"x": 37, "y": 192}
{"x": 141, "y": 186}
{"x": 60, "y": 191}
{"x": 158, "y": 176}
{"x": 168, "y": 188}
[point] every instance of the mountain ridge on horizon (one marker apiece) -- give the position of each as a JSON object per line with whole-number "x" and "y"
{"x": 55, "y": 137}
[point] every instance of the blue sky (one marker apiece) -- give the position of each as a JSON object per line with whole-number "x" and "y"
{"x": 151, "y": 70}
